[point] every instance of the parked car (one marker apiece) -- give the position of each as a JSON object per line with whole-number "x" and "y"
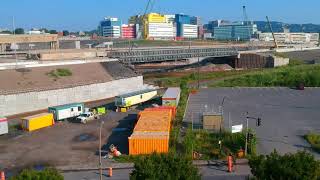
{"x": 86, "y": 117}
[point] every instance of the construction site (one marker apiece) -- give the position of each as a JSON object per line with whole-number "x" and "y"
{"x": 84, "y": 103}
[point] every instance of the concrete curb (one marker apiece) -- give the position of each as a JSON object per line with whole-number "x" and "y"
{"x": 131, "y": 165}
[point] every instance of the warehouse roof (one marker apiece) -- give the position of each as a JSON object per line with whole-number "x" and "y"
{"x": 41, "y": 78}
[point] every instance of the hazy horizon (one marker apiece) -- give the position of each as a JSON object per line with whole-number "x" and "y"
{"x": 85, "y": 15}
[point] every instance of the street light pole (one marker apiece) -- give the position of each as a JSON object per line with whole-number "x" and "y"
{"x": 246, "y": 145}
{"x": 100, "y": 144}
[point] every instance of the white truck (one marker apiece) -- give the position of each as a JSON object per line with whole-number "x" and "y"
{"x": 86, "y": 117}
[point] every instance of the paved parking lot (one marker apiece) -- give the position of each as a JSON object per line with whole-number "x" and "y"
{"x": 287, "y": 114}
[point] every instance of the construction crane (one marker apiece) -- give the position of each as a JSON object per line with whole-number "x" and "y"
{"x": 274, "y": 37}
{"x": 147, "y": 10}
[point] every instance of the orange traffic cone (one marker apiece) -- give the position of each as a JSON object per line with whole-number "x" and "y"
{"x": 110, "y": 172}
{"x": 230, "y": 165}
{"x": 2, "y": 176}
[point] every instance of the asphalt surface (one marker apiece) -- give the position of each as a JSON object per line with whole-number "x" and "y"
{"x": 287, "y": 114}
{"x": 207, "y": 173}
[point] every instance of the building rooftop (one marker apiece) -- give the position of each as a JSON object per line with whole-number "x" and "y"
{"x": 39, "y": 78}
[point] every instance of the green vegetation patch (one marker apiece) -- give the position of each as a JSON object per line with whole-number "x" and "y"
{"x": 60, "y": 73}
{"x": 301, "y": 165}
{"x": 48, "y": 173}
{"x": 207, "y": 144}
{"x": 164, "y": 166}
{"x": 314, "y": 140}
{"x": 289, "y": 76}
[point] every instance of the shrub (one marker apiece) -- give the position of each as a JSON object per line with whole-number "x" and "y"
{"x": 314, "y": 140}
{"x": 301, "y": 165}
{"x": 59, "y": 73}
{"x": 164, "y": 166}
{"x": 46, "y": 174}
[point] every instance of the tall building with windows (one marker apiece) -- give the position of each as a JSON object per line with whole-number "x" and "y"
{"x": 110, "y": 27}
{"x": 187, "y": 26}
{"x": 157, "y": 27}
{"x": 237, "y": 31}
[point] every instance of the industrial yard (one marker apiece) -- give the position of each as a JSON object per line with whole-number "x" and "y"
{"x": 65, "y": 143}
{"x": 158, "y": 95}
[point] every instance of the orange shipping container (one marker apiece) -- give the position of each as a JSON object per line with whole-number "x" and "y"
{"x": 160, "y": 108}
{"x": 154, "y": 121}
{"x": 148, "y": 143}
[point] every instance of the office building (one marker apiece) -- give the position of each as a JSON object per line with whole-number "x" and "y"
{"x": 158, "y": 27}
{"x": 128, "y": 31}
{"x": 187, "y": 27}
{"x": 110, "y": 27}
{"x": 237, "y": 31}
{"x": 291, "y": 38}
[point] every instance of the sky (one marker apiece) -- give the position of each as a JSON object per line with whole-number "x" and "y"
{"x": 78, "y": 15}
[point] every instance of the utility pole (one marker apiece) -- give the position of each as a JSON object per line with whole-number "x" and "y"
{"x": 198, "y": 72}
{"x": 100, "y": 144}
{"x": 247, "y": 129}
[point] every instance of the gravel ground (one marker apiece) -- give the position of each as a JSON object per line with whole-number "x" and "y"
{"x": 65, "y": 143}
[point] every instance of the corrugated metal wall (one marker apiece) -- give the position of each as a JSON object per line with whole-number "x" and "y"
{"x": 252, "y": 61}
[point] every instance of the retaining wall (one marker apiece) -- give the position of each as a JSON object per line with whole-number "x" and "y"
{"x": 33, "y": 101}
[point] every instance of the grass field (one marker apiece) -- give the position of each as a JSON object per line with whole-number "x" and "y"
{"x": 289, "y": 76}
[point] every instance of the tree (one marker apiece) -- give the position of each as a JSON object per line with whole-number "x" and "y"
{"x": 65, "y": 33}
{"x": 48, "y": 174}
{"x": 53, "y": 32}
{"x": 19, "y": 31}
{"x": 6, "y": 32}
{"x": 45, "y": 30}
{"x": 162, "y": 166}
{"x": 301, "y": 165}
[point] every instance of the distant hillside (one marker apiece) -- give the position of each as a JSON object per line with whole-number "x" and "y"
{"x": 278, "y": 27}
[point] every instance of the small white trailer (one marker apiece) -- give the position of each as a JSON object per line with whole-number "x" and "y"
{"x": 4, "y": 128}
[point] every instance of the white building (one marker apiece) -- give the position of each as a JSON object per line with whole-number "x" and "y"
{"x": 291, "y": 38}
{"x": 189, "y": 31}
{"x": 110, "y": 27}
{"x": 170, "y": 18}
{"x": 159, "y": 31}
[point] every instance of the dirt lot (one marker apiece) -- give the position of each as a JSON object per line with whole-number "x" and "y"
{"x": 65, "y": 143}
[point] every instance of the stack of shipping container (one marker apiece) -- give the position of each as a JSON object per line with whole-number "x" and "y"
{"x": 152, "y": 131}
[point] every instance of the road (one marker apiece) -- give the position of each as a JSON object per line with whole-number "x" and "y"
{"x": 207, "y": 172}
{"x": 287, "y": 114}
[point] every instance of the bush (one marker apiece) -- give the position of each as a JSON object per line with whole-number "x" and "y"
{"x": 46, "y": 174}
{"x": 301, "y": 165}
{"x": 314, "y": 140}
{"x": 164, "y": 166}
{"x": 60, "y": 73}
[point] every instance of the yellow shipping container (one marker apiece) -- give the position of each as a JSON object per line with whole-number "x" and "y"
{"x": 38, "y": 121}
{"x": 148, "y": 143}
{"x": 154, "y": 121}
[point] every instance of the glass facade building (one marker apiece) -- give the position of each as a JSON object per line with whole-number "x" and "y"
{"x": 235, "y": 32}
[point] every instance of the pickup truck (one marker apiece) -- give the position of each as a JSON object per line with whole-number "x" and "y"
{"x": 86, "y": 117}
